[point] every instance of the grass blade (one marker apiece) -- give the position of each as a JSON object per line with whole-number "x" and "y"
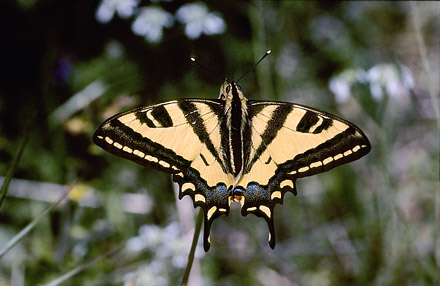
{"x": 424, "y": 56}
{"x": 17, "y": 238}
{"x": 11, "y": 170}
{"x": 80, "y": 268}
{"x": 197, "y": 229}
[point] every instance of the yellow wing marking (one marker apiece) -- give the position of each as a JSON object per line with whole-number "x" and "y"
{"x": 180, "y": 137}
{"x": 258, "y": 127}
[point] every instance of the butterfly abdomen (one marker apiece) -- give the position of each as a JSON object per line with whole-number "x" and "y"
{"x": 237, "y": 122}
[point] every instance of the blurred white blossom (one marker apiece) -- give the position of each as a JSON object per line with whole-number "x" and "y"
{"x": 164, "y": 242}
{"x": 380, "y": 78}
{"x": 387, "y": 77}
{"x": 341, "y": 84}
{"x": 154, "y": 273}
{"x": 108, "y": 8}
{"x": 150, "y": 23}
{"x": 169, "y": 247}
{"x": 198, "y": 20}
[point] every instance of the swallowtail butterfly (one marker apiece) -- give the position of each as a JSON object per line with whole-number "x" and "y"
{"x": 233, "y": 149}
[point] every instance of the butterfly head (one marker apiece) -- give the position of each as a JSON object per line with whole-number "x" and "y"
{"x": 228, "y": 89}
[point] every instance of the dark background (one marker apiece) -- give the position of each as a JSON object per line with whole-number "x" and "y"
{"x": 63, "y": 71}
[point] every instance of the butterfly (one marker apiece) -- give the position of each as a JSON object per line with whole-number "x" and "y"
{"x": 232, "y": 149}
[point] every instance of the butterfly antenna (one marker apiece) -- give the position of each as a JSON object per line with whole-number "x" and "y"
{"x": 252, "y": 67}
{"x": 206, "y": 69}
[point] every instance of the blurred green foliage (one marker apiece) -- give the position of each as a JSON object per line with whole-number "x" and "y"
{"x": 68, "y": 65}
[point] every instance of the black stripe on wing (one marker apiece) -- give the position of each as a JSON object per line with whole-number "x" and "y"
{"x": 197, "y": 123}
{"x": 149, "y": 153}
{"x": 159, "y": 117}
{"x": 273, "y": 126}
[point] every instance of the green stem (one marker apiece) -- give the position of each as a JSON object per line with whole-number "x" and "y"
{"x": 192, "y": 251}
{"x": 80, "y": 268}
{"x": 10, "y": 173}
{"x": 425, "y": 61}
{"x": 17, "y": 238}
{"x": 435, "y": 104}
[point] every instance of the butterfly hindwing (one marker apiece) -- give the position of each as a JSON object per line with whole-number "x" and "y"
{"x": 289, "y": 141}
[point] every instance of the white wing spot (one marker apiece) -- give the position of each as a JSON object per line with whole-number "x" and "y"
{"x": 117, "y": 145}
{"x": 155, "y": 122}
{"x": 151, "y": 158}
{"x": 251, "y": 209}
{"x": 187, "y": 186}
{"x": 303, "y": 169}
{"x": 265, "y": 210}
{"x": 348, "y": 152}
{"x": 199, "y": 198}
{"x": 339, "y": 156}
{"x": 327, "y": 160}
{"x": 276, "y": 194}
{"x": 357, "y": 148}
{"x": 313, "y": 128}
{"x": 100, "y": 137}
{"x": 109, "y": 140}
{"x": 180, "y": 174}
{"x": 315, "y": 164}
{"x": 164, "y": 164}
{"x": 292, "y": 173}
{"x": 223, "y": 210}
{"x": 139, "y": 153}
{"x": 211, "y": 211}
{"x": 127, "y": 149}
{"x": 364, "y": 146}
{"x": 285, "y": 183}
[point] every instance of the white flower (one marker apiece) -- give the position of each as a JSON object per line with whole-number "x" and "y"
{"x": 198, "y": 20}
{"x": 150, "y": 236}
{"x": 381, "y": 78}
{"x": 341, "y": 84}
{"x": 340, "y": 88}
{"x": 387, "y": 77}
{"x": 150, "y": 23}
{"x": 107, "y": 9}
